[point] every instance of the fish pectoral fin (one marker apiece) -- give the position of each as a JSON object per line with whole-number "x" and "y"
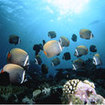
{"x": 45, "y": 53}
{"x": 9, "y": 55}
{"x": 2, "y": 71}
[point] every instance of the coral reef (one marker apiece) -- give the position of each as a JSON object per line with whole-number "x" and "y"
{"x": 66, "y": 87}
{"x": 81, "y": 92}
{"x": 10, "y": 92}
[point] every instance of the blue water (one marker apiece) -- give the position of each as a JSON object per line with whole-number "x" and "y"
{"x": 32, "y": 19}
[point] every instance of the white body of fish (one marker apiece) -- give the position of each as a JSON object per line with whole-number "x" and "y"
{"x": 52, "y": 49}
{"x": 97, "y": 60}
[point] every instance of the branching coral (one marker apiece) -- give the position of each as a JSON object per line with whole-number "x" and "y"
{"x": 80, "y": 92}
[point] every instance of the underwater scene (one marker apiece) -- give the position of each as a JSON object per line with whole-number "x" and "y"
{"x": 52, "y": 52}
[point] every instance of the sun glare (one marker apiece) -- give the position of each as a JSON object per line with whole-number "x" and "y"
{"x": 68, "y": 6}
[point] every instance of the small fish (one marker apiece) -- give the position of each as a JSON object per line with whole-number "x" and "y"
{"x": 52, "y": 48}
{"x": 44, "y": 68}
{"x": 18, "y": 56}
{"x": 81, "y": 50}
{"x": 64, "y": 41}
{"x": 86, "y": 34}
{"x": 66, "y": 56}
{"x": 74, "y": 38}
{"x": 97, "y": 59}
{"x": 44, "y": 42}
{"x": 14, "y": 39}
{"x": 93, "y": 48}
{"x": 38, "y": 60}
{"x": 16, "y": 73}
{"x": 77, "y": 64}
{"x": 94, "y": 22}
{"x": 37, "y": 48}
{"x": 52, "y": 34}
{"x": 55, "y": 61}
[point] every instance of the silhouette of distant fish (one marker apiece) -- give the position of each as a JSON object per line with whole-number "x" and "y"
{"x": 52, "y": 34}
{"x": 66, "y": 56}
{"x": 74, "y": 38}
{"x": 93, "y": 48}
{"x": 37, "y": 48}
{"x": 44, "y": 42}
{"x": 14, "y": 39}
{"x": 94, "y": 22}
